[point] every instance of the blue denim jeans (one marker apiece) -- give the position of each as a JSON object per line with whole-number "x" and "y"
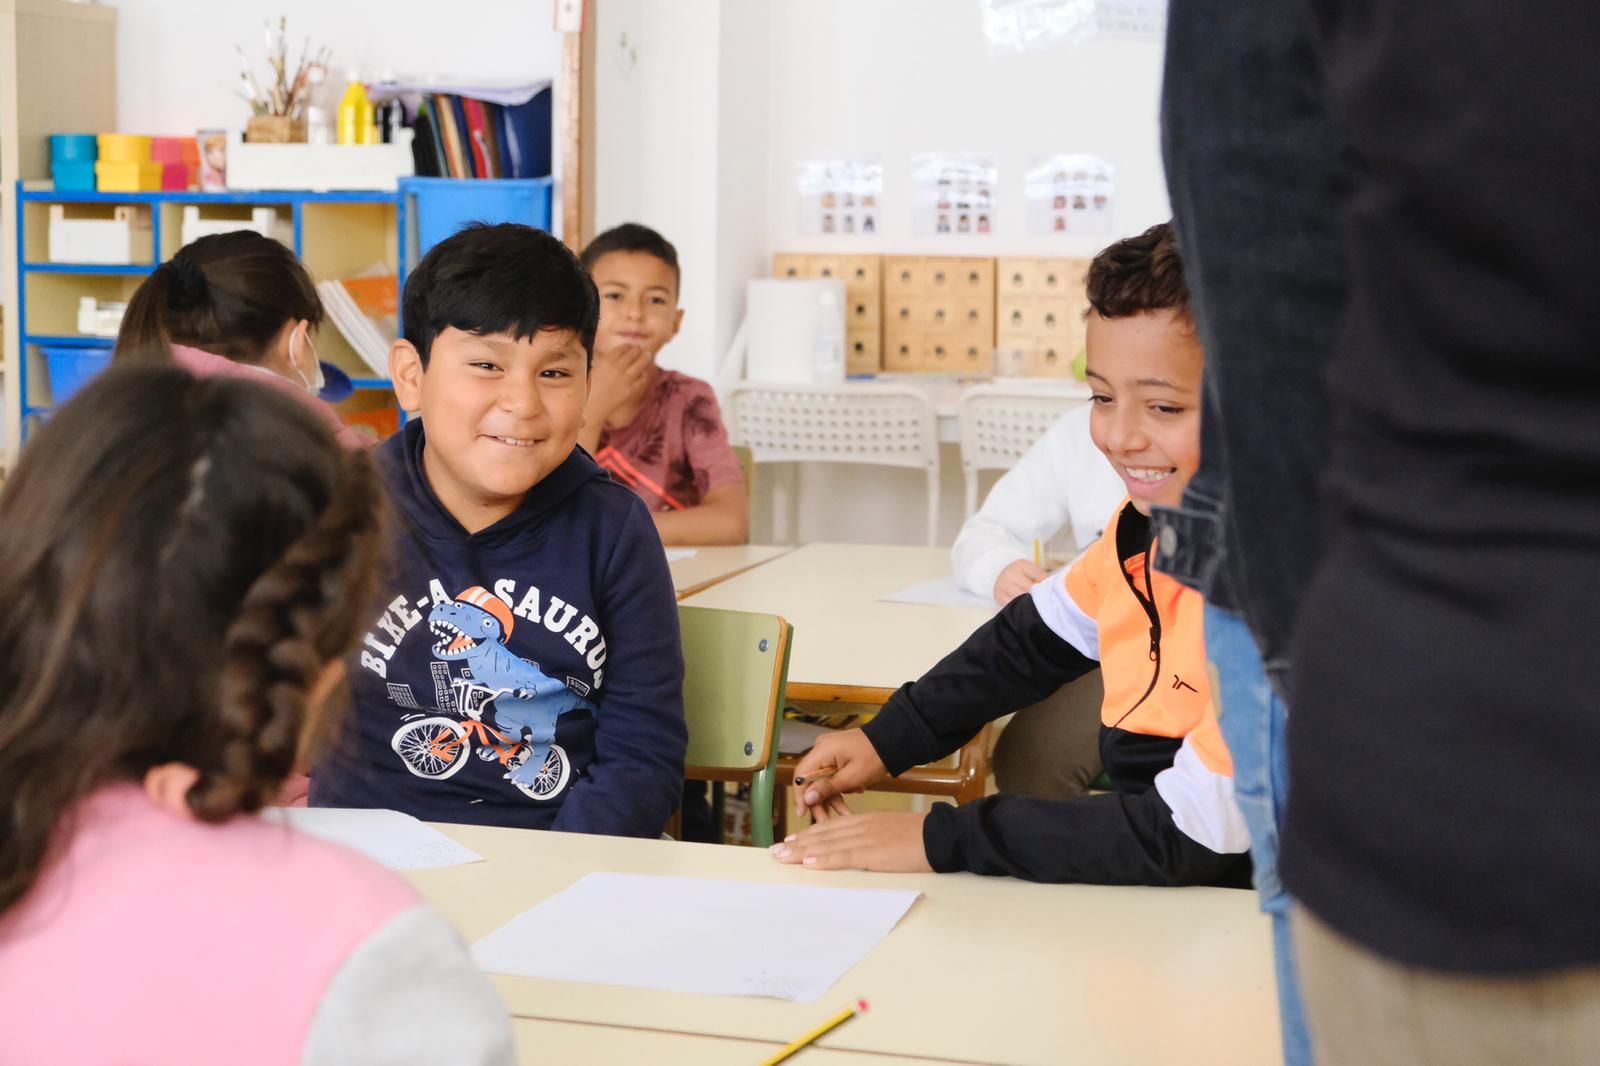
{"x": 1254, "y": 720}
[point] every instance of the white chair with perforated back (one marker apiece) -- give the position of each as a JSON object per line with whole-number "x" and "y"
{"x": 868, "y": 423}
{"x": 999, "y": 423}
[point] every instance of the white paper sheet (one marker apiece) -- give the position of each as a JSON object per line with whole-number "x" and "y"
{"x": 940, "y": 592}
{"x": 396, "y": 840}
{"x": 683, "y": 934}
{"x": 674, "y": 554}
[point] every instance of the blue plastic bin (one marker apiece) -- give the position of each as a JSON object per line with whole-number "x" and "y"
{"x": 74, "y": 148}
{"x": 73, "y": 177}
{"x": 441, "y": 206}
{"x": 71, "y": 368}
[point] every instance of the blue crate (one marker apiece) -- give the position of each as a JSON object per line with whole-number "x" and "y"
{"x": 71, "y": 369}
{"x": 73, "y": 177}
{"x": 441, "y": 206}
{"x": 74, "y": 148}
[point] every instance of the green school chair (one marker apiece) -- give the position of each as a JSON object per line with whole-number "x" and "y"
{"x": 735, "y": 667}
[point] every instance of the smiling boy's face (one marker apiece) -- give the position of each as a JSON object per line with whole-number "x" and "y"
{"x": 638, "y": 302}
{"x": 1145, "y": 371}
{"x": 500, "y": 414}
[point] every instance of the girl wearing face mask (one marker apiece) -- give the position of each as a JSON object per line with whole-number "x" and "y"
{"x": 234, "y": 305}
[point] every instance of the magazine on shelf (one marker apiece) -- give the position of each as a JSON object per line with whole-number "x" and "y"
{"x": 364, "y": 309}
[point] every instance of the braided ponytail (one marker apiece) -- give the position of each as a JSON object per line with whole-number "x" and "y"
{"x": 296, "y": 618}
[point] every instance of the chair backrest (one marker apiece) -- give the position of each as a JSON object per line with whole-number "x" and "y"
{"x": 859, "y": 422}
{"x": 735, "y": 667}
{"x": 999, "y": 423}
{"x": 888, "y": 425}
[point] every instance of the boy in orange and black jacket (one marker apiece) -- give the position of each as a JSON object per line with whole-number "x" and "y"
{"x": 1170, "y": 818}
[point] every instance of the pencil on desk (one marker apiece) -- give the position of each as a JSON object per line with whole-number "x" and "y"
{"x": 817, "y": 1033}
{"x": 817, "y": 775}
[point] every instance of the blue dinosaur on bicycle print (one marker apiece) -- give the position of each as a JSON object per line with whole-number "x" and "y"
{"x": 473, "y": 629}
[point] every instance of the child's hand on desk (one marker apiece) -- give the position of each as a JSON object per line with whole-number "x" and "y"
{"x": 1015, "y": 580}
{"x": 838, "y": 763}
{"x": 887, "y": 843}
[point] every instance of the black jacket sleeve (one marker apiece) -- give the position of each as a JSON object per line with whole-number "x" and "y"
{"x": 1113, "y": 838}
{"x": 1013, "y": 661}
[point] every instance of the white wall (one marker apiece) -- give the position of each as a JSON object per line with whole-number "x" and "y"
{"x": 681, "y": 146}
{"x": 177, "y": 66}
{"x": 893, "y": 78}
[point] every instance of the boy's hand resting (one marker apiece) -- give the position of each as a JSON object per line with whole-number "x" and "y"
{"x": 1017, "y": 579}
{"x": 856, "y": 766}
{"x": 619, "y": 378}
{"x": 888, "y": 843}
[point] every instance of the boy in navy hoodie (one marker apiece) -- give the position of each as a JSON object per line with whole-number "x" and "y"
{"x": 524, "y": 667}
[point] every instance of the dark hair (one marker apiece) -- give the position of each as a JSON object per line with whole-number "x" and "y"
{"x": 179, "y": 560}
{"x": 229, "y": 293}
{"x": 632, "y": 237}
{"x": 1137, "y": 274}
{"x": 505, "y": 278}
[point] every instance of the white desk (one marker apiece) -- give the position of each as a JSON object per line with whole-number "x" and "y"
{"x": 848, "y": 646}
{"x": 707, "y": 566}
{"x": 982, "y": 970}
{"x": 541, "y": 1042}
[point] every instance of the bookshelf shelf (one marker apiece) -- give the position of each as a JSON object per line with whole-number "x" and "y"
{"x": 336, "y": 234}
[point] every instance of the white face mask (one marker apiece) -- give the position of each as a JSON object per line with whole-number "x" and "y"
{"x": 315, "y": 384}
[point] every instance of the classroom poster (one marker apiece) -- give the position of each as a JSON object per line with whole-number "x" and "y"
{"x": 1025, "y": 25}
{"x": 953, "y": 193}
{"x": 1069, "y": 194}
{"x": 839, "y": 196}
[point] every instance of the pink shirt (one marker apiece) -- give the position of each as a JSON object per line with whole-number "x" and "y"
{"x": 204, "y": 364}
{"x": 160, "y": 939}
{"x": 676, "y": 449}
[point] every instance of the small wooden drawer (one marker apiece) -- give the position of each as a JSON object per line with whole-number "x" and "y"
{"x": 903, "y": 352}
{"x": 1052, "y": 359}
{"x": 940, "y": 354}
{"x": 903, "y": 313}
{"x": 974, "y": 278}
{"x": 975, "y": 356}
{"x": 1014, "y": 355}
{"x": 788, "y": 265}
{"x": 861, "y": 273}
{"x": 1016, "y": 314}
{"x": 861, "y": 309}
{"x": 1015, "y": 277}
{"x": 939, "y": 276}
{"x": 902, "y": 275}
{"x": 973, "y": 314}
{"x": 862, "y": 352}
{"x": 1057, "y": 318}
{"x": 826, "y": 266}
{"x": 1060, "y": 277}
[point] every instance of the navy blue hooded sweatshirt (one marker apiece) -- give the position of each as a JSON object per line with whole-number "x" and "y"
{"x": 526, "y": 675}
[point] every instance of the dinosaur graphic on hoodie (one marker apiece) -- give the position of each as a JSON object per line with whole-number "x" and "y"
{"x": 474, "y": 628}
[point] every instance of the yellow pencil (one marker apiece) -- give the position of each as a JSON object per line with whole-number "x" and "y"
{"x": 1037, "y": 555}
{"x": 817, "y": 1033}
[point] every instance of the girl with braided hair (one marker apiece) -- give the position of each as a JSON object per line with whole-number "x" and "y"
{"x": 184, "y": 564}
{"x": 234, "y": 305}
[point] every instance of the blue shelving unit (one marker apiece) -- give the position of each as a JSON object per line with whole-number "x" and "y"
{"x": 295, "y": 201}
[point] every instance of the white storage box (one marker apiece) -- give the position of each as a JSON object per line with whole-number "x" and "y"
{"x": 320, "y": 167}
{"x": 97, "y": 319}
{"x": 109, "y": 234}
{"x": 203, "y": 220}
{"x": 796, "y": 331}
